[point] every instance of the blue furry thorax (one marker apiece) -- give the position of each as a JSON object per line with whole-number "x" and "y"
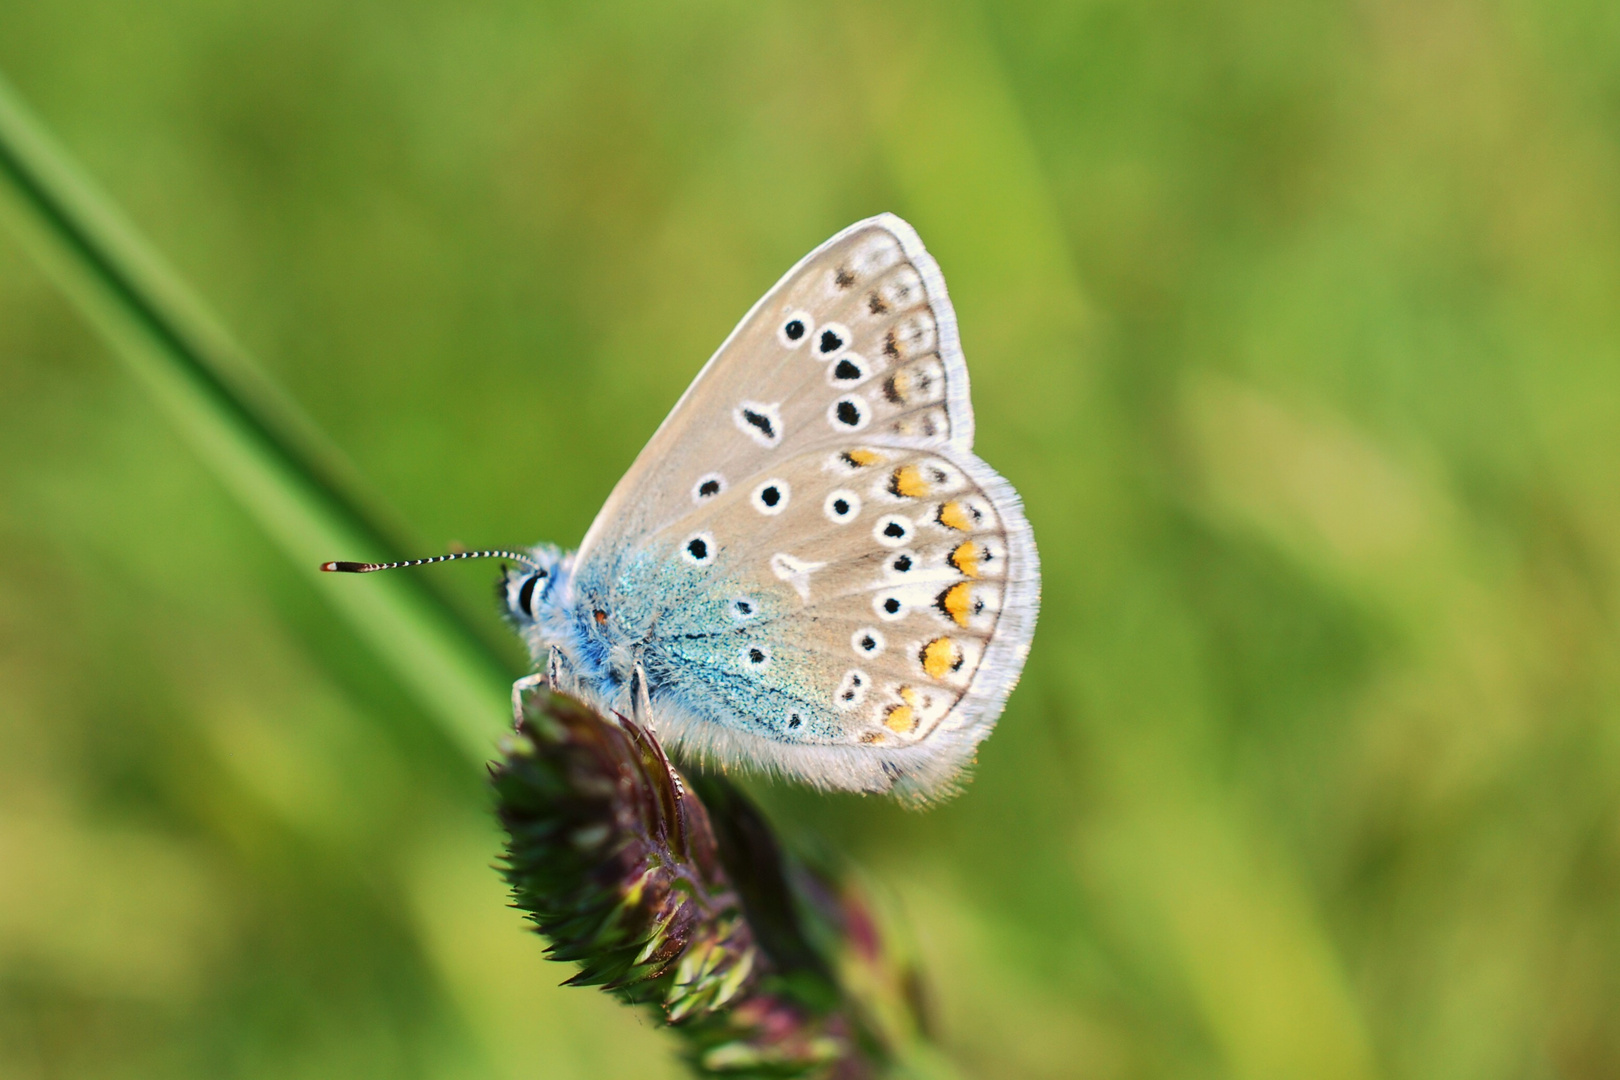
{"x": 551, "y": 608}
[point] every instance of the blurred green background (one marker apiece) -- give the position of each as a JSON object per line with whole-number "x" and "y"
{"x": 1297, "y": 326}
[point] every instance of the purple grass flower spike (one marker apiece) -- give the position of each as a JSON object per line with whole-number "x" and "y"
{"x": 675, "y": 894}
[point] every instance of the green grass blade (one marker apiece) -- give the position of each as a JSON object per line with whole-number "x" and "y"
{"x": 269, "y": 458}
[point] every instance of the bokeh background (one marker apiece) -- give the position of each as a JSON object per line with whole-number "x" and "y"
{"x": 1297, "y": 325}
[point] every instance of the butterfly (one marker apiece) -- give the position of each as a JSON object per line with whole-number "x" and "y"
{"x": 807, "y": 570}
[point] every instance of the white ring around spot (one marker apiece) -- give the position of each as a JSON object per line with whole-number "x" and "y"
{"x": 838, "y": 330}
{"x": 851, "y": 690}
{"x": 852, "y": 506}
{"x": 858, "y": 639}
{"x": 880, "y": 604}
{"x": 809, "y": 329}
{"x": 880, "y": 531}
{"x": 759, "y": 421}
{"x": 708, "y": 478}
{"x": 894, "y": 571}
{"x": 783, "y": 495}
{"x": 864, "y": 369}
{"x": 706, "y": 540}
{"x": 840, "y": 411}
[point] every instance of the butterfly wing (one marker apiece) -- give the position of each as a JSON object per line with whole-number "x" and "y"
{"x": 814, "y": 570}
{"x": 875, "y": 334}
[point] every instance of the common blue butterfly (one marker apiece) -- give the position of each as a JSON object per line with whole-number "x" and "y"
{"x": 807, "y": 570}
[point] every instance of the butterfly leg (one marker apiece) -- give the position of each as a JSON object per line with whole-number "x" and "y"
{"x": 521, "y": 687}
{"x": 557, "y": 674}
{"x": 640, "y": 700}
{"x": 641, "y": 714}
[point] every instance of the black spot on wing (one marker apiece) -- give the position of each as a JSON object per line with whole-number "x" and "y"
{"x": 761, "y": 422}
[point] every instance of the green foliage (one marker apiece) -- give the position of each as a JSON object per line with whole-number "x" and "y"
{"x": 616, "y": 863}
{"x": 1294, "y": 324}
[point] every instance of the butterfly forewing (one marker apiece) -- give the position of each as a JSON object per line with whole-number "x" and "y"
{"x": 859, "y": 338}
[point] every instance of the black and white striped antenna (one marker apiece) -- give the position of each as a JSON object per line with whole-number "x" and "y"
{"x": 369, "y": 567}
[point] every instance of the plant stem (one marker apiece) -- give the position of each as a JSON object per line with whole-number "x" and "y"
{"x": 275, "y": 464}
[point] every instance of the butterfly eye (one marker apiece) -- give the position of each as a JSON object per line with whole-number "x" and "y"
{"x": 525, "y": 597}
{"x": 842, "y": 505}
{"x": 796, "y": 329}
{"x": 831, "y": 340}
{"x": 708, "y": 486}
{"x": 848, "y": 413}
{"x": 892, "y": 530}
{"x": 698, "y": 549}
{"x": 867, "y": 642}
{"x": 771, "y": 497}
{"x": 889, "y": 606}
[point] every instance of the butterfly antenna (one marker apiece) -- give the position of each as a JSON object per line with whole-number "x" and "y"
{"x": 368, "y": 567}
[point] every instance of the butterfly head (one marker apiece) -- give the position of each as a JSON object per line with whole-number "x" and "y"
{"x": 531, "y": 591}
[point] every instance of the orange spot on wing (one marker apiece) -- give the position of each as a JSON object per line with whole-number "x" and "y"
{"x": 861, "y": 458}
{"x": 940, "y": 657}
{"x": 908, "y": 481}
{"x": 901, "y": 719}
{"x": 966, "y": 558}
{"x": 957, "y": 602}
{"x": 956, "y": 516}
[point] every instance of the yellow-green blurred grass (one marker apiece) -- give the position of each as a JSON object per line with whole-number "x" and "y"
{"x": 1295, "y": 325}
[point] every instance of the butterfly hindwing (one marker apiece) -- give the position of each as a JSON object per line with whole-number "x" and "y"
{"x": 864, "y": 636}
